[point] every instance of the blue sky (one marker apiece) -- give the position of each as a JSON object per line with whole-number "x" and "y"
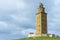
{"x": 17, "y": 17}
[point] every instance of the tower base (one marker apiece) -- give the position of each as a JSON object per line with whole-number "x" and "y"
{"x": 42, "y": 35}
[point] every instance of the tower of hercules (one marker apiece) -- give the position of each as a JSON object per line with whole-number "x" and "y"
{"x": 41, "y": 21}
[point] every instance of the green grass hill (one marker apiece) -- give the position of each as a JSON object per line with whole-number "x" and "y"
{"x": 40, "y": 38}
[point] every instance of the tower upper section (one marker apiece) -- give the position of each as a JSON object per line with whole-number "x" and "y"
{"x": 41, "y": 8}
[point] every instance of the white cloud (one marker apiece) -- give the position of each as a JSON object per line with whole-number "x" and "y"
{"x": 54, "y": 19}
{"x": 8, "y": 28}
{"x": 21, "y": 4}
{"x": 57, "y": 2}
{"x": 3, "y": 25}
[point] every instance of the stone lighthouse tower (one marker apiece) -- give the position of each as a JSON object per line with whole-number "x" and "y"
{"x": 41, "y": 21}
{"x": 41, "y": 24}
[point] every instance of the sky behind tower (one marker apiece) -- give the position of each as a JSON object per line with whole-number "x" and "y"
{"x": 17, "y": 17}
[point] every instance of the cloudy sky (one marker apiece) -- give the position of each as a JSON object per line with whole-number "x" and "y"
{"x": 17, "y": 17}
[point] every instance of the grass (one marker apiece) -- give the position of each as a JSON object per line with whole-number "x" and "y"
{"x": 40, "y": 38}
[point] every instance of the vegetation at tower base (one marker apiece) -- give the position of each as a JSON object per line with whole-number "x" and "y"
{"x": 40, "y": 38}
